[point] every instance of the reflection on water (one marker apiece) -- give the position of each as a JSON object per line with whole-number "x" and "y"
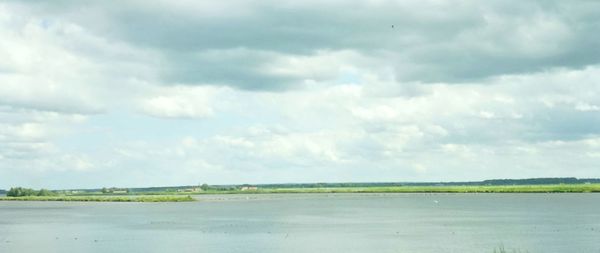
{"x": 309, "y": 223}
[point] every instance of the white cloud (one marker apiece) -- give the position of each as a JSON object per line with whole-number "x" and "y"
{"x": 585, "y": 107}
{"x": 175, "y": 107}
{"x": 184, "y": 101}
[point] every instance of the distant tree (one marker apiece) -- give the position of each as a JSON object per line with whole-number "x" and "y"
{"x": 13, "y": 192}
{"x": 204, "y": 187}
{"x": 44, "y": 192}
{"x": 105, "y": 190}
{"x": 21, "y": 192}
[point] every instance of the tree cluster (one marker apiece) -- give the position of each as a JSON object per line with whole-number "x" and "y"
{"x": 22, "y": 192}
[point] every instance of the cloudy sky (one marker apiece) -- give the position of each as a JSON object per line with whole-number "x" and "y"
{"x": 139, "y": 93}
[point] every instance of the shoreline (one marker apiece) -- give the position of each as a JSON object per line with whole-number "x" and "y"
{"x": 129, "y": 198}
{"x": 559, "y": 188}
{"x": 168, "y": 196}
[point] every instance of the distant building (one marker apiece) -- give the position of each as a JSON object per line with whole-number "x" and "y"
{"x": 114, "y": 190}
{"x": 193, "y": 189}
{"x": 248, "y": 188}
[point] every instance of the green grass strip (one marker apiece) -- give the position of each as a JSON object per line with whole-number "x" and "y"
{"x": 158, "y": 198}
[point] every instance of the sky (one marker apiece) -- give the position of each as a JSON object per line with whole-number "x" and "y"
{"x": 156, "y": 93}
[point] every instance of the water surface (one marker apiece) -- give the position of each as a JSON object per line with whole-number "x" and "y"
{"x": 309, "y": 223}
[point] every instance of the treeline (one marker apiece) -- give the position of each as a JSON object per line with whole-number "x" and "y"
{"x": 540, "y": 181}
{"x": 527, "y": 181}
{"x": 23, "y": 192}
{"x": 205, "y": 187}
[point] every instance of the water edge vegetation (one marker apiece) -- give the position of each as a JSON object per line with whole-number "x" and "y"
{"x": 551, "y": 188}
{"x": 133, "y": 198}
{"x": 169, "y": 195}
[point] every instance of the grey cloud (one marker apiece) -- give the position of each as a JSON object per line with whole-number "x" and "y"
{"x": 64, "y": 107}
{"x": 236, "y": 67}
{"x": 22, "y": 150}
{"x": 430, "y": 42}
{"x": 564, "y": 124}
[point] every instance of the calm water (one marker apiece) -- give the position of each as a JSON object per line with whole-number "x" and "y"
{"x": 309, "y": 223}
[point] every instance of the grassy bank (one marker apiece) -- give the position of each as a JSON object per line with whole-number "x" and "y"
{"x": 454, "y": 189}
{"x": 138, "y": 198}
{"x": 559, "y": 188}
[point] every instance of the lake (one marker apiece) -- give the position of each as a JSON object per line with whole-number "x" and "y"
{"x": 313, "y": 223}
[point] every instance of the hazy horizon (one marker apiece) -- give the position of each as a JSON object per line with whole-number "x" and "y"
{"x": 140, "y": 94}
{"x": 297, "y": 183}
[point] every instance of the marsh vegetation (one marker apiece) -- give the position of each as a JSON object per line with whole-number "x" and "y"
{"x": 170, "y": 195}
{"x": 554, "y": 188}
{"x": 138, "y": 198}
{"x": 26, "y": 194}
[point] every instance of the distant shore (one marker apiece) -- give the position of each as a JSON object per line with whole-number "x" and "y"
{"x": 130, "y": 198}
{"x": 550, "y": 188}
{"x": 170, "y": 196}
{"x": 557, "y": 188}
